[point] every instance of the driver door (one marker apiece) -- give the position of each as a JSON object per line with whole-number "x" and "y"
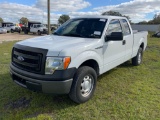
{"x": 33, "y": 27}
{"x": 113, "y": 51}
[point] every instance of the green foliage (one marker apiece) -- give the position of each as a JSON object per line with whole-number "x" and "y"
{"x": 155, "y": 20}
{"x": 63, "y": 18}
{"x": 123, "y": 93}
{"x": 1, "y": 20}
{"x": 24, "y": 20}
{"x": 114, "y": 13}
{"x": 143, "y": 22}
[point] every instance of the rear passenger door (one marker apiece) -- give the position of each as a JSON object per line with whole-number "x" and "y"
{"x": 128, "y": 37}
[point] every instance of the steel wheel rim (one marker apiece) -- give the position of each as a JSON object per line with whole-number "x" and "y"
{"x": 87, "y": 86}
{"x": 139, "y": 58}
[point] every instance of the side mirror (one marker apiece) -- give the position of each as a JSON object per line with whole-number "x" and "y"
{"x": 114, "y": 36}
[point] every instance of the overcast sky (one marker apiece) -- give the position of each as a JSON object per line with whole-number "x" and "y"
{"x": 138, "y": 10}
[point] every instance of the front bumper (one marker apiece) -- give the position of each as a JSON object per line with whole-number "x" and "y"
{"x": 58, "y": 83}
{"x": 45, "y": 32}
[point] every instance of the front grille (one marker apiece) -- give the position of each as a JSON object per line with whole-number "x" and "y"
{"x": 28, "y": 60}
{"x": 16, "y": 28}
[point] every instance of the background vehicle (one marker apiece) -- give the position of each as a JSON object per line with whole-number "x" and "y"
{"x": 10, "y": 27}
{"x": 2, "y": 30}
{"x": 35, "y": 27}
{"x": 69, "y": 61}
{"x": 157, "y": 34}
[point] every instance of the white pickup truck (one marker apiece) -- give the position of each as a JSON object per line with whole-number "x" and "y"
{"x": 10, "y": 27}
{"x": 38, "y": 28}
{"x": 69, "y": 61}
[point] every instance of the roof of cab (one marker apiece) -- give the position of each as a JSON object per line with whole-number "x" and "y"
{"x": 104, "y": 17}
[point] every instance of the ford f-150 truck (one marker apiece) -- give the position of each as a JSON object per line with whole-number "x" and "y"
{"x": 69, "y": 61}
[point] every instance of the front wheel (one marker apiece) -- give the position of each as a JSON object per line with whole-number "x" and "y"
{"x": 137, "y": 60}
{"x": 39, "y": 32}
{"x": 84, "y": 84}
{"x": 12, "y": 31}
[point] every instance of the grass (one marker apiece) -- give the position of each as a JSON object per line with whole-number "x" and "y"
{"x": 124, "y": 93}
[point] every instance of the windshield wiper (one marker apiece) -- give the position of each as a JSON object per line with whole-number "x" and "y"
{"x": 93, "y": 36}
{"x": 73, "y": 35}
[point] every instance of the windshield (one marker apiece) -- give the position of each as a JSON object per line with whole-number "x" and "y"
{"x": 40, "y": 25}
{"x": 11, "y": 24}
{"x": 83, "y": 27}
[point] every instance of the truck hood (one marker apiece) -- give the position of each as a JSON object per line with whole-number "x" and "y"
{"x": 55, "y": 44}
{"x": 42, "y": 28}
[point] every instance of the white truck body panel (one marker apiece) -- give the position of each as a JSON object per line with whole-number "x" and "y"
{"x": 112, "y": 54}
{"x": 35, "y": 29}
{"x": 69, "y": 61}
{"x": 139, "y": 37}
{"x": 10, "y": 27}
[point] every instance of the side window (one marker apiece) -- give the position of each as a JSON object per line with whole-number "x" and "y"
{"x": 126, "y": 27}
{"x": 114, "y": 26}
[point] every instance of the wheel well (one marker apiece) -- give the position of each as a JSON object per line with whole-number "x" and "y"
{"x": 142, "y": 46}
{"x": 91, "y": 63}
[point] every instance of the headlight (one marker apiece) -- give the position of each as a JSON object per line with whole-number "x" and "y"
{"x": 56, "y": 63}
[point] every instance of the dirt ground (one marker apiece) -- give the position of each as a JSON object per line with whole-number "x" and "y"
{"x": 15, "y": 36}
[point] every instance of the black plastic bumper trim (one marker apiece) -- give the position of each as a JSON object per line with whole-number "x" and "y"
{"x": 59, "y": 75}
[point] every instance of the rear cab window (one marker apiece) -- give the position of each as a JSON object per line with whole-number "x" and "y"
{"x": 114, "y": 26}
{"x": 126, "y": 30}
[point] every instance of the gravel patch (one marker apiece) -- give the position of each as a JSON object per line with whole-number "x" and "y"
{"x": 15, "y": 37}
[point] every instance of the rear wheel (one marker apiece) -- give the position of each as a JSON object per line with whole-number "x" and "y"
{"x": 84, "y": 84}
{"x": 137, "y": 60}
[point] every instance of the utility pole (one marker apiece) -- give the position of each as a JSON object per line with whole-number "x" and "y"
{"x": 49, "y": 26}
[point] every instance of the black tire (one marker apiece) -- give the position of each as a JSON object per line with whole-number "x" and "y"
{"x": 84, "y": 77}
{"x": 26, "y": 32}
{"x": 137, "y": 60}
{"x": 12, "y": 31}
{"x": 39, "y": 32}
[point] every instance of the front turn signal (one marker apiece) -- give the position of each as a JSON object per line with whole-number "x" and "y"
{"x": 66, "y": 62}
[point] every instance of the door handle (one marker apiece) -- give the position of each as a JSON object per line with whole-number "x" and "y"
{"x": 123, "y": 42}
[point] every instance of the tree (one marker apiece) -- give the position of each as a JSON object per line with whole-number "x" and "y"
{"x": 156, "y": 19}
{"x": 114, "y": 13}
{"x": 23, "y": 20}
{"x": 63, "y": 18}
{"x": 1, "y": 20}
{"x": 143, "y": 22}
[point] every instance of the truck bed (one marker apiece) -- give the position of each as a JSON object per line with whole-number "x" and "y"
{"x": 138, "y": 37}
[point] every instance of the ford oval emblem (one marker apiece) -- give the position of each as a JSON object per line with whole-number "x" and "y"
{"x": 20, "y": 58}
